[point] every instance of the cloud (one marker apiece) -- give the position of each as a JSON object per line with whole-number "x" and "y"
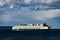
{"x": 3, "y": 2}
{"x": 47, "y": 1}
{"x": 45, "y": 15}
{"x": 5, "y": 18}
{"x": 41, "y": 1}
{"x": 42, "y": 4}
{"x": 27, "y": 15}
{"x": 24, "y": 13}
{"x": 27, "y": 1}
{"x": 8, "y": 1}
{"x": 16, "y": 15}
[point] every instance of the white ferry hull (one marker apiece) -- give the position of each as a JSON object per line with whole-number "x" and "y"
{"x": 30, "y": 27}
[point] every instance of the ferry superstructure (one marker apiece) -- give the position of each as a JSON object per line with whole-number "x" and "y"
{"x": 30, "y": 26}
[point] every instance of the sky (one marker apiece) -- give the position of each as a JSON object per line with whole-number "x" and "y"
{"x": 13, "y": 12}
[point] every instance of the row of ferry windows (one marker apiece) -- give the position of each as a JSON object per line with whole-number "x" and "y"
{"x": 32, "y": 24}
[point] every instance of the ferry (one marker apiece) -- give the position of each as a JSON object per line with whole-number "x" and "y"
{"x": 30, "y": 27}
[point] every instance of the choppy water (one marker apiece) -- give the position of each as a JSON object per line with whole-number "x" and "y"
{"x": 53, "y": 34}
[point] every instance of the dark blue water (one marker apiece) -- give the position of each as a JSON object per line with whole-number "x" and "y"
{"x": 7, "y": 34}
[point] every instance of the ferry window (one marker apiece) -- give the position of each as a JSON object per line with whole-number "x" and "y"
{"x": 45, "y": 24}
{"x": 39, "y": 24}
{"x": 33, "y": 24}
{"x": 24, "y": 24}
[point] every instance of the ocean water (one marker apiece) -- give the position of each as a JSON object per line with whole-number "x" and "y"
{"x": 7, "y": 34}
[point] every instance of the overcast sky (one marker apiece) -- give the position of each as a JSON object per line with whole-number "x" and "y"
{"x": 14, "y": 12}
